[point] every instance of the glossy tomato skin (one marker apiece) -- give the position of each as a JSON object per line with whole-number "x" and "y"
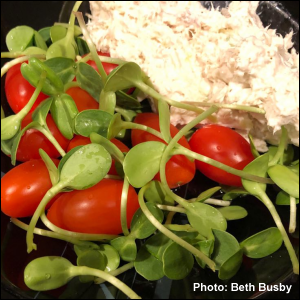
{"x": 82, "y": 99}
{"x": 107, "y": 66}
{"x": 224, "y": 145}
{"x": 19, "y": 91}
{"x": 179, "y": 169}
{"x": 34, "y": 140}
{"x": 23, "y": 188}
{"x": 95, "y": 210}
{"x": 82, "y": 141}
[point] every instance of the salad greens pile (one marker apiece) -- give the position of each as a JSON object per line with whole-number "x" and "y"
{"x": 52, "y": 57}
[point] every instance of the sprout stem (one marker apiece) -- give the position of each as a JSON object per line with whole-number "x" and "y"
{"x": 171, "y": 208}
{"x": 282, "y": 145}
{"x": 77, "y": 235}
{"x": 124, "y": 199}
{"x": 269, "y": 204}
{"x": 170, "y": 234}
{"x": 47, "y": 233}
{"x": 91, "y": 45}
{"x": 117, "y": 272}
{"x": 293, "y": 217}
{"x": 217, "y": 202}
{"x": 56, "y": 189}
{"x": 79, "y": 271}
{"x": 219, "y": 165}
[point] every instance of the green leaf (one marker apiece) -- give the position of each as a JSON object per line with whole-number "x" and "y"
{"x": 66, "y": 157}
{"x": 41, "y": 112}
{"x": 148, "y": 265}
{"x": 207, "y": 194}
{"x": 226, "y": 245}
{"x": 10, "y": 126}
{"x": 231, "y": 266}
{"x": 45, "y": 34}
{"x": 286, "y": 179}
{"x": 263, "y": 243}
{"x": 112, "y": 255}
{"x": 64, "y": 111}
{"x": 57, "y": 33}
{"x": 253, "y": 148}
{"x": 32, "y": 73}
{"x": 257, "y": 167}
{"x": 87, "y": 246}
{"x": 127, "y": 101}
{"x": 206, "y": 247}
{"x": 86, "y": 167}
{"x": 89, "y": 80}
{"x": 83, "y": 47}
{"x": 64, "y": 68}
{"x": 294, "y": 167}
{"x": 141, "y": 227}
{"x": 19, "y": 38}
{"x": 123, "y": 77}
{"x": 288, "y": 154}
{"x": 234, "y": 193}
{"x": 6, "y": 146}
{"x": 204, "y": 218}
{"x": 284, "y": 199}
{"x": 142, "y": 163}
{"x": 108, "y": 101}
{"x": 177, "y": 262}
{"x": 48, "y": 273}
{"x": 63, "y": 48}
{"x": 156, "y": 194}
{"x": 92, "y": 259}
{"x": 34, "y": 51}
{"x": 39, "y": 41}
{"x": 157, "y": 244}
{"x": 126, "y": 247}
{"x": 92, "y": 121}
{"x": 164, "y": 120}
{"x": 52, "y": 169}
{"x": 233, "y": 212}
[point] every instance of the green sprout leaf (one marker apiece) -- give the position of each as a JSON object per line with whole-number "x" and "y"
{"x": 164, "y": 120}
{"x": 92, "y": 259}
{"x": 19, "y": 38}
{"x": 89, "y": 80}
{"x": 92, "y": 121}
{"x": 112, "y": 255}
{"x": 64, "y": 111}
{"x": 142, "y": 163}
{"x": 207, "y": 194}
{"x": 225, "y": 246}
{"x": 41, "y": 112}
{"x": 57, "y": 33}
{"x": 263, "y": 243}
{"x": 47, "y": 273}
{"x": 284, "y": 199}
{"x": 177, "y": 262}
{"x": 148, "y": 266}
{"x": 45, "y": 34}
{"x": 233, "y": 212}
{"x": 39, "y": 41}
{"x": 234, "y": 193}
{"x": 204, "y": 218}
{"x": 64, "y": 68}
{"x": 126, "y": 247}
{"x": 206, "y": 247}
{"x": 156, "y": 194}
{"x": 231, "y": 266}
{"x": 52, "y": 169}
{"x": 86, "y": 167}
{"x": 286, "y": 179}
{"x": 82, "y": 45}
{"x": 141, "y": 227}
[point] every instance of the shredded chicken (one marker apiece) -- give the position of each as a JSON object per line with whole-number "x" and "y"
{"x": 194, "y": 54}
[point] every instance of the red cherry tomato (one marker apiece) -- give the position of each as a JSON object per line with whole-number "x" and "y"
{"x": 179, "y": 169}
{"x": 107, "y": 66}
{"x": 95, "y": 210}
{"x": 224, "y": 145}
{"x": 34, "y": 140}
{"x": 19, "y": 91}
{"x": 82, "y": 141}
{"x": 82, "y": 99}
{"x": 23, "y": 188}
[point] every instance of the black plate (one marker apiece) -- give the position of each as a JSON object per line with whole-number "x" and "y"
{"x": 271, "y": 270}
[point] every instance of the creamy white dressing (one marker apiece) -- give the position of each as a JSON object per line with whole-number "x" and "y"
{"x": 194, "y": 54}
